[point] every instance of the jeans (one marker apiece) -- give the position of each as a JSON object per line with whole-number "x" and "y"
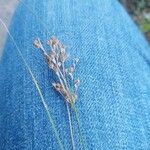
{"x": 114, "y": 69}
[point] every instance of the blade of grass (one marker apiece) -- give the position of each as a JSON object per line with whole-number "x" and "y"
{"x": 37, "y": 87}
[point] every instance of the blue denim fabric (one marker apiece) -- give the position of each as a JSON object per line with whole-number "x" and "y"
{"x": 114, "y": 69}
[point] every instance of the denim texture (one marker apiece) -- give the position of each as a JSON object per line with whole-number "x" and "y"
{"x": 114, "y": 69}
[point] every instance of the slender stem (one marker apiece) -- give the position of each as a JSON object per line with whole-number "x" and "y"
{"x": 78, "y": 123}
{"x": 37, "y": 87}
{"x": 62, "y": 79}
{"x": 71, "y": 128}
{"x": 68, "y": 110}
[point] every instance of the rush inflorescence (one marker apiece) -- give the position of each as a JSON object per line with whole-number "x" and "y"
{"x": 56, "y": 59}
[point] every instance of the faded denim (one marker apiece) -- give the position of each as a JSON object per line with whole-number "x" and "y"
{"x": 114, "y": 69}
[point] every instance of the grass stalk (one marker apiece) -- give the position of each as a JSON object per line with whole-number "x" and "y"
{"x": 63, "y": 82}
{"x": 78, "y": 124}
{"x": 71, "y": 127}
{"x": 72, "y": 105}
{"x": 37, "y": 87}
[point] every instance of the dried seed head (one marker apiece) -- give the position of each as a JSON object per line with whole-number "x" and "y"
{"x": 55, "y": 68}
{"x": 62, "y": 57}
{"x": 57, "y": 86}
{"x": 37, "y": 44}
{"x": 62, "y": 91}
{"x": 49, "y": 42}
{"x": 62, "y": 49}
{"x": 51, "y": 65}
{"x": 52, "y": 41}
{"x": 65, "y": 94}
{"x": 53, "y": 57}
{"x": 56, "y": 59}
{"x": 48, "y": 59}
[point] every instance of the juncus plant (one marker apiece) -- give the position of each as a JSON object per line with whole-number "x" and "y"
{"x": 56, "y": 60}
{"x": 66, "y": 85}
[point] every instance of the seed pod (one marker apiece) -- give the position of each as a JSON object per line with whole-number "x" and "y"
{"x": 49, "y": 42}
{"x": 55, "y": 68}
{"x": 62, "y": 49}
{"x": 54, "y": 41}
{"x": 57, "y": 86}
{"x": 52, "y": 55}
{"x": 51, "y": 65}
{"x": 37, "y": 44}
{"x": 62, "y": 56}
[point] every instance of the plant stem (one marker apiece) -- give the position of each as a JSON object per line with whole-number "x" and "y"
{"x": 37, "y": 87}
{"x": 71, "y": 128}
{"x": 63, "y": 81}
{"x": 78, "y": 123}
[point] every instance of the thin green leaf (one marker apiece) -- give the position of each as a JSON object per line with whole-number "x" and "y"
{"x": 37, "y": 87}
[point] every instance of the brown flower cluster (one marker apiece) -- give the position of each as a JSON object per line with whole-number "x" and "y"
{"x": 56, "y": 60}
